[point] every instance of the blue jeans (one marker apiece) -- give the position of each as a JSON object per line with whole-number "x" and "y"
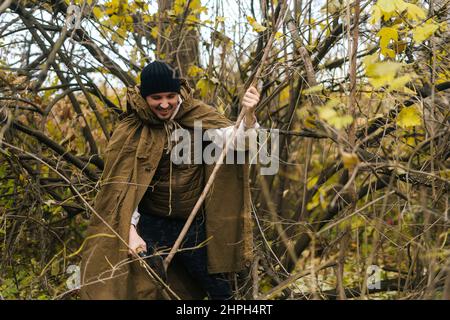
{"x": 161, "y": 233}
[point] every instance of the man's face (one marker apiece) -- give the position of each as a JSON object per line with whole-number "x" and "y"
{"x": 163, "y": 104}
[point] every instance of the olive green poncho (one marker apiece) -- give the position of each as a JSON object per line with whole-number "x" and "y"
{"x": 131, "y": 158}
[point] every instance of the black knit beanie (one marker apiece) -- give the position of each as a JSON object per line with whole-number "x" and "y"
{"x": 157, "y": 77}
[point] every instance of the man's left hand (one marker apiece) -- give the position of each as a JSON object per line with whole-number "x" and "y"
{"x": 250, "y": 99}
{"x": 249, "y": 102}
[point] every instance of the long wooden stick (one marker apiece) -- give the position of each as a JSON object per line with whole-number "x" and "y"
{"x": 219, "y": 163}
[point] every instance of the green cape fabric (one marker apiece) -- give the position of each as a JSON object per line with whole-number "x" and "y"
{"x": 131, "y": 158}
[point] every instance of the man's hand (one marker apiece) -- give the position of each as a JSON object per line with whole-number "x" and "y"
{"x": 135, "y": 242}
{"x": 250, "y": 99}
{"x": 156, "y": 262}
{"x": 249, "y": 102}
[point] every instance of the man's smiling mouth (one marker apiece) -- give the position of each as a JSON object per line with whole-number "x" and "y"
{"x": 160, "y": 109}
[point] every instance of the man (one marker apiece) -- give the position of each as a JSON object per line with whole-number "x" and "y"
{"x": 145, "y": 199}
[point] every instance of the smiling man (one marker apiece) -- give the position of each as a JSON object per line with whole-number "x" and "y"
{"x": 145, "y": 199}
{"x": 162, "y": 104}
{"x": 160, "y": 87}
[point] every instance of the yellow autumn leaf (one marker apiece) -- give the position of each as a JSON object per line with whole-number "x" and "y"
{"x": 411, "y": 141}
{"x": 194, "y": 71}
{"x": 310, "y": 122}
{"x": 154, "y": 33}
{"x": 423, "y": 32}
{"x": 383, "y": 69}
{"x": 318, "y": 198}
{"x": 376, "y": 14}
{"x": 314, "y": 89}
{"x": 408, "y": 91}
{"x": 129, "y": 19}
{"x": 192, "y": 18}
{"x": 380, "y": 73}
{"x": 312, "y": 182}
{"x": 370, "y": 59}
{"x": 147, "y": 18}
{"x": 284, "y": 96}
{"x": 110, "y": 9}
{"x": 117, "y": 39}
{"x": 327, "y": 113}
{"x": 334, "y": 102}
{"x": 115, "y": 4}
{"x": 409, "y": 117}
{"x": 179, "y": 6}
{"x": 195, "y": 5}
{"x": 341, "y": 121}
{"x": 387, "y": 6}
{"x": 379, "y": 82}
{"x": 255, "y": 25}
{"x": 387, "y": 34}
{"x": 115, "y": 20}
{"x": 350, "y": 160}
{"x": 399, "y": 83}
{"x": 332, "y": 117}
{"x": 122, "y": 32}
{"x": 314, "y": 202}
{"x": 205, "y": 86}
{"x": 98, "y": 13}
{"x": 414, "y": 12}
